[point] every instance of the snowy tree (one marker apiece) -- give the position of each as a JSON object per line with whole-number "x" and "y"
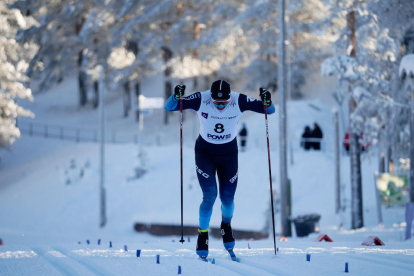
{"x": 233, "y": 39}
{"x": 381, "y": 35}
{"x": 14, "y": 60}
{"x": 57, "y": 37}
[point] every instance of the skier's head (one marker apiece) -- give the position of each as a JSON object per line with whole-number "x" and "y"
{"x": 220, "y": 93}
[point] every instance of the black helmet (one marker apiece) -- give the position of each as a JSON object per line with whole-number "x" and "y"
{"x": 220, "y": 90}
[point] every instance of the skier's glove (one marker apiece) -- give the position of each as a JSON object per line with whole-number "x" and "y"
{"x": 179, "y": 91}
{"x": 266, "y": 97}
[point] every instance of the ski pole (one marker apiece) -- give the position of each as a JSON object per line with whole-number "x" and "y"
{"x": 181, "y": 161}
{"x": 270, "y": 178}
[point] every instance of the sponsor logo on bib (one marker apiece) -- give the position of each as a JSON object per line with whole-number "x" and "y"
{"x": 218, "y": 137}
{"x": 205, "y": 115}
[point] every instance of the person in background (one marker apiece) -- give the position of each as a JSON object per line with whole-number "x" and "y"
{"x": 305, "y": 143}
{"x": 243, "y": 137}
{"x": 317, "y": 135}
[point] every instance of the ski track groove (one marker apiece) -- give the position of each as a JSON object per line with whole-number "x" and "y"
{"x": 384, "y": 263}
{"x": 242, "y": 269}
{"x": 389, "y": 259}
{"x": 90, "y": 265}
{"x": 265, "y": 267}
{"x": 61, "y": 266}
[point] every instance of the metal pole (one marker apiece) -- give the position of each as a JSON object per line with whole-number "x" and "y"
{"x": 286, "y": 229}
{"x": 337, "y": 164}
{"x": 289, "y": 59}
{"x": 102, "y": 128}
{"x": 141, "y": 134}
{"x": 412, "y": 146}
{"x": 292, "y": 162}
{"x": 270, "y": 179}
{"x": 378, "y": 199}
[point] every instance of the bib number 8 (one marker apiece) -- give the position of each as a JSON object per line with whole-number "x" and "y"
{"x": 219, "y": 128}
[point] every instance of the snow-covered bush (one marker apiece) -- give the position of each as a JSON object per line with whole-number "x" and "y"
{"x": 14, "y": 60}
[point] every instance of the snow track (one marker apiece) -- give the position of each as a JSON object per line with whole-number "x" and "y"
{"x": 90, "y": 265}
{"x": 397, "y": 267}
{"x": 242, "y": 269}
{"x": 265, "y": 267}
{"x": 63, "y": 264}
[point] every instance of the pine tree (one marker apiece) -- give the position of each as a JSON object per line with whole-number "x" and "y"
{"x": 13, "y": 63}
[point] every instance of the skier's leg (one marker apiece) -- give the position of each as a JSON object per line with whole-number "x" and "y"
{"x": 206, "y": 173}
{"x": 227, "y": 172}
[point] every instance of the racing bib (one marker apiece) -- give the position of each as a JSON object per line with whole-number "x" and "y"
{"x": 218, "y": 126}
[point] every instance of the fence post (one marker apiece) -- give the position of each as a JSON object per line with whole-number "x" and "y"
{"x": 95, "y": 136}
{"x": 113, "y": 137}
{"x": 77, "y": 135}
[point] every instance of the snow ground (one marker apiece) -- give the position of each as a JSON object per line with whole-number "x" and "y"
{"x": 42, "y": 218}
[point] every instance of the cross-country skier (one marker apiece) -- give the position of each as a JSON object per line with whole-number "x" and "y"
{"x": 219, "y": 110}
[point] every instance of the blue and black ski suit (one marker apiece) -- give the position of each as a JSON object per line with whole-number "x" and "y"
{"x": 212, "y": 157}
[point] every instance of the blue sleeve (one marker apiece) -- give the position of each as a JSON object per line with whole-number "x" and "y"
{"x": 250, "y": 104}
{"x": 190, "y": 102}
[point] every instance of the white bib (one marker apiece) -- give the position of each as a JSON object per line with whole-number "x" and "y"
{"x": 218, "y": 126}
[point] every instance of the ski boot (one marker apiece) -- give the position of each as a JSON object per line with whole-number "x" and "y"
{"x": 202, "y": 243}
{"x": 227, "y": 234}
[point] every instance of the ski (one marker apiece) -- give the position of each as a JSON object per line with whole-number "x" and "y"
{"x": 207, "y": 260}
{"x": 233, "y": 256}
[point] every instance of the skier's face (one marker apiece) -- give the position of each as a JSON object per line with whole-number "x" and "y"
{"x": 221, "y": 104}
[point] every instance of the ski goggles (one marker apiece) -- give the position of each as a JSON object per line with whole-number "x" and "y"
{"x": 221, "y": 103}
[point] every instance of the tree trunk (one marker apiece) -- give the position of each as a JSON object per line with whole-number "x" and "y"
{"x": 355, "y": 148}
{"x": 82, "y": 88}
{"x": 381, "y": 168}
{"x": 412, "y": 146}
{"x": 168, "y": 93}
{"x": 127, "y": 99}
{"x": 167, "y": 55}
{"x": 96, "y": 91}
{"x": 137, "y": 93}
{"x": 337, "y": 165}
{"x": 390, "y": 162}
{"x": 82, "y": 78}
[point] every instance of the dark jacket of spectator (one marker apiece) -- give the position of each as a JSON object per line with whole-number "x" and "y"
{"x": 243, "y": 137}
{"x": 306, "y": 135}
{"x": 317, "y": 134}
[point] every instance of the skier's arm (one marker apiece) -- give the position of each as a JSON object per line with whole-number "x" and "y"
{"x": 250, "y": 104}
{"x": 191, "y": 102}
